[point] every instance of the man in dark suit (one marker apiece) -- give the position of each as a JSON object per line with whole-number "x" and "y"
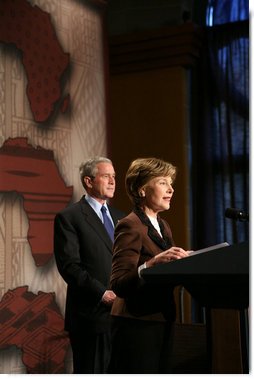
{"x": 83, "y": 252}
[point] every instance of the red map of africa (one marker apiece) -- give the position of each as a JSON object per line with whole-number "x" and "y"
{"x": 30, "y": 29}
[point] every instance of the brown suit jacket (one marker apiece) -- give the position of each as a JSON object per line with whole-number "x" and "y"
{"x": 135, "y": 243}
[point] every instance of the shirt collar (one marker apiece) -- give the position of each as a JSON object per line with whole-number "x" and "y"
{"x": 95, "y": 204}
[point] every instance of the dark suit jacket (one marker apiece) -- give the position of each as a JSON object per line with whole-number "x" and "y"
{"x": 83, "y": 253}
{"x": 134, "y": 244}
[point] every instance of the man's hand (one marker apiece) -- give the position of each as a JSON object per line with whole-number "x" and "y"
{"x": 108, "y": 297}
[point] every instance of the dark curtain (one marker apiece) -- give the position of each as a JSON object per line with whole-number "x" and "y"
{"x": 220, "y": 134}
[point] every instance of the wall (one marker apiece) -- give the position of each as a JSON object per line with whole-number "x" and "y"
{"x": 72, "y": 136}
{"x": 127, "y": 15}
{"x": 149, "y": 118}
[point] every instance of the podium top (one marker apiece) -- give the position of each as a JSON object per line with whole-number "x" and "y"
{"x": 218, "y": 278}
{"x": 229, "y": 261}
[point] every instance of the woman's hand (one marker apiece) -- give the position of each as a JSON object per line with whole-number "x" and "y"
{"x": 166, "y": 256}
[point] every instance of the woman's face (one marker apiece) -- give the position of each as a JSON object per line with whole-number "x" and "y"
{"x": 158, "y": 194}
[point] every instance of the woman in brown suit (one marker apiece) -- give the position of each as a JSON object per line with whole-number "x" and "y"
{"x": 143, "y": 315}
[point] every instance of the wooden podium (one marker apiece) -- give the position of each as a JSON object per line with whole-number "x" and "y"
{"x": 219, "y": 281}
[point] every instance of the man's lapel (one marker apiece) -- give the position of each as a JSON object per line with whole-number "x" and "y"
{"x": 94, "y": 221}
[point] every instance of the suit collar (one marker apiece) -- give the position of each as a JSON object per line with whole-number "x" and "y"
{"x": 94, "y": 221}
{"x": 165, "y": 242}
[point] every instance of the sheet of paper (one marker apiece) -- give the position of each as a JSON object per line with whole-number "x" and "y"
{"x": 209, "y": 248}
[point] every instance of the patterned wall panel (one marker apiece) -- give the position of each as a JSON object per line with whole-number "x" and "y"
{"x": 72, "y": 136}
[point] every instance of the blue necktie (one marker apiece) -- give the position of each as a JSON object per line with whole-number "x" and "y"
{"x": 107, "y": 223}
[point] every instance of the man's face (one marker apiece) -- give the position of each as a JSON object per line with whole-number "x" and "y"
{"x": 102, "y": 187}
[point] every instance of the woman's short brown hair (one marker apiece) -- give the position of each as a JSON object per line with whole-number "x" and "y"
{"x": 141, "y": 171}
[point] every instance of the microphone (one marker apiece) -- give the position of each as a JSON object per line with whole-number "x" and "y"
{"x": 236, "y": 214}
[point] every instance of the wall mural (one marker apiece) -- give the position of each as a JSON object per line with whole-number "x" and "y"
{"x": 31, "y": 31}
{"x": 43, "y": 140}
{"x": 33, "y": 173}
{"x": 34, "y": 324}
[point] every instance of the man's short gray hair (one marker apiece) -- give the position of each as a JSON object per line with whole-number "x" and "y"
{"x": 89, "y": 167}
